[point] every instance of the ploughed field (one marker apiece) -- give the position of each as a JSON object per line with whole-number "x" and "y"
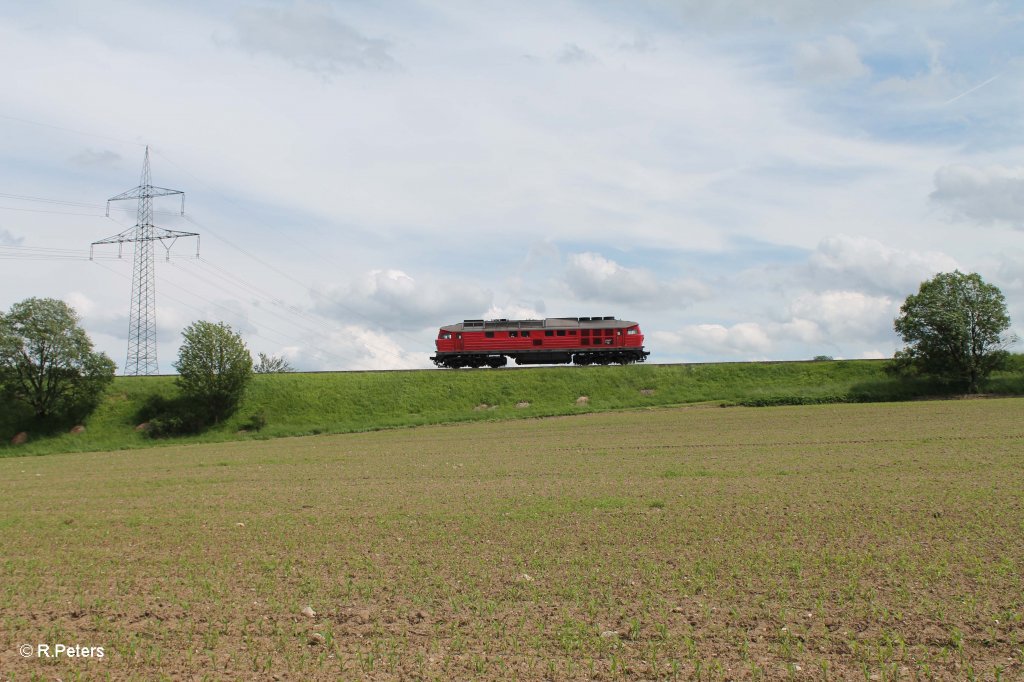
{"x": 861, "y": 541}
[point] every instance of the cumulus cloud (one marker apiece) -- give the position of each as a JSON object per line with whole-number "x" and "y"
{"x": 514, "y": 311}
{"x": 846, "y": 315}
{"x": 836, "y": 319}
{"x": 355, "y": 347}
{"x": 985, "y": 194}
{"x": 8, "y": 239}
{"x": 834, "y": 59}
{"x": 395, "y": 300}
{"x": 310, "y": 36}
{"x": 746, "y": 339}
{"x": 592, "y": 277}
{"x": 862, "y": 263}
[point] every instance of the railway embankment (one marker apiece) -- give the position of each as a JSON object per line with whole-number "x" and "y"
{"x": 301, "y": 404}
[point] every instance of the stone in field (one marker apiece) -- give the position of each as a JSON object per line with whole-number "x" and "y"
{"x": 20, "y": 438}
{"x": 522, "y": 404}
{"x": 582, "y": 400}
{"x": 78, "y": 428}
{"x": 308, "y": 612}
{"x": 316, "y": 639}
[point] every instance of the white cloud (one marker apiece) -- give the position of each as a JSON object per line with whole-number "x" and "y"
{"x": 859, "y": 262}
{"x": 356, "y": 348}
{"x": 746, "y": 339}
{"x": 310, "y": 36}
{"x": 847, "y": 315}
{"x": 515, "y": 311}
{"x": 805, "y": 331}
{"x": 592, "y": 277}
{"x": 985, "y": 194}
{"x": 82, "y": 304}
{"x": 834, "y": 59}
{"x": 395, "y": 300}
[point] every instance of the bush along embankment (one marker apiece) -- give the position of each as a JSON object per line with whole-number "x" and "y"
{"x": 298, "y": 404}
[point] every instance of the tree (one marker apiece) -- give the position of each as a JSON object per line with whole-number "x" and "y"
{"x": 47, "y": 361}
{"x": 214, "y": 367}
{"x": 955, "y": 328}
{"x": 271, "y": 364}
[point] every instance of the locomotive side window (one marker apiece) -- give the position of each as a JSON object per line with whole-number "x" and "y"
{"x": 549, "y": 333}
{"x": 489, "y": 335}
{"x": 513, "y": 335}
{"x": 526, "y": 333}
{"x": 561, "y": 332}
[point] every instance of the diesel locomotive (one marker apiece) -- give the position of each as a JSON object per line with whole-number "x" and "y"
{"x": 555, "y": 340}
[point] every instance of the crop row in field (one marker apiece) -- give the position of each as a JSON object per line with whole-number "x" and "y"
{"x": 877, "y": 541}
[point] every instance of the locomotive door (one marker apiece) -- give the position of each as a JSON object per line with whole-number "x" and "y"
{"x": 458, "y": 341}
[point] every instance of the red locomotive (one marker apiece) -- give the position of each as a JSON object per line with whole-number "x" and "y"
{"x": 556, "y": 340}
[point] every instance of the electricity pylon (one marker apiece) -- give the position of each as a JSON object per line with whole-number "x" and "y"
{"x": 142, "y": 315}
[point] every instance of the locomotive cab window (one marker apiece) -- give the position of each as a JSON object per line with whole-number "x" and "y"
{"x": 632, "y": 332}
{"x": 445, "y": 336}
{"x": 513, "y": 335}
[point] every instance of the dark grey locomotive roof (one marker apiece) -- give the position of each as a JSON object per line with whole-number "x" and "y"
{"x": 548, "y": 323}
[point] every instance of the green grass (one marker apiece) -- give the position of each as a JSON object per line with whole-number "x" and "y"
{"x": 305, "y": 404}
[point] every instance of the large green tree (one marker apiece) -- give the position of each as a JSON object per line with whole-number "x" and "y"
{"x": 214, "y": 368}
{"x": 956, "y": 328}
{"x": 47, "y": 360}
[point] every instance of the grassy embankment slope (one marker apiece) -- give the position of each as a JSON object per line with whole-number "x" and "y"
{"x": 302, "y": 404}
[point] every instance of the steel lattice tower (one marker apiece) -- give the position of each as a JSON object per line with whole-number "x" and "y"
{"x": 142, "y": 315}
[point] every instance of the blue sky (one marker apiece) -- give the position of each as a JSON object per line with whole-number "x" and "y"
{"x": 748, "y": 180}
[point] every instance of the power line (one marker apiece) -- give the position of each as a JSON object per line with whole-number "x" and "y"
{"x": 304, "y": 285}
{"x": 284, "y": 337}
